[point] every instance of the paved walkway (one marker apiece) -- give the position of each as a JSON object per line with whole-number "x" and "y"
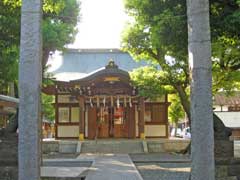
{"x": 112, "y": 167}
{"x": 162, "y": 166}
{"x": 62, "y": 168}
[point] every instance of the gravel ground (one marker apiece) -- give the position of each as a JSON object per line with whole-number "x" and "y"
{"x": 164, "y": 171}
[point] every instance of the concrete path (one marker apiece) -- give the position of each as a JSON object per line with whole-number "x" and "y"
{"x": 112, "y": 167}
{"x": 60, "y": 168}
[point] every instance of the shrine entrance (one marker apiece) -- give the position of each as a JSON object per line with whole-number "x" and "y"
{"x": 111, "y": 122}
{"x": 106, "y": 104}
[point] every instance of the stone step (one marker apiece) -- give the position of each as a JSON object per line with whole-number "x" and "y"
{"x": 63, "y": 178}
{"x": 114, "y": 147}
{"x": 227, "y": 178}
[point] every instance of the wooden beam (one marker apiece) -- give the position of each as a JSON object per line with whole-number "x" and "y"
{"x": 81, "y": 117}
{"x": 8, "y": 104}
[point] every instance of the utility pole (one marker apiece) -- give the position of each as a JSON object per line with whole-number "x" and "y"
{"x": 30, "y": 80}
{"x": 199, "y": 50}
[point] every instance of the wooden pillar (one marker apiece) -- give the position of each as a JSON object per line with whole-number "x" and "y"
{"x": 166, "y": 115}
{"x": 141, "y": 117}
{"x": 81, "y": 118}
{"x": 56, "y": 114}
{"x": 30, "y": 80}
{"x": 131, "y": 122}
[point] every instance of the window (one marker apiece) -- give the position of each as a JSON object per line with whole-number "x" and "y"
{"x": 75, "y": 114}
{"x": 155, "y": 113}
{"x": 68, "y": 114}
{"x": 148, "y": 114}
{"x": 63, "y": 114}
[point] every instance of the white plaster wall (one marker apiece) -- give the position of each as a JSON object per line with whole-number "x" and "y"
{"x": 218, "y": 108}
{"x": 155, "y": 130}
{"x": 230, "y": 119}
{"x": 68, "y": 131}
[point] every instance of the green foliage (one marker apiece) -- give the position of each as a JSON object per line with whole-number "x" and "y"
{"x": 225, "y": 25}
{"x": 59, "y": 25}
{"x": 48, "y": 110}
{"x": 175, "y": 110}
{"x": 59, "y": 28}
{"x": 158, "y": 34}
{"x": 151, "y": 82}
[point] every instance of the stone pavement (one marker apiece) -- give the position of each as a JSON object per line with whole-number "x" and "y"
{"x": 93, "y": 166}
{"x": 65, "y": 168}
{"x": 112, "y": 167}
{"x": 162, "y": 166}
{"x": 164, "y": 171}
{"x": 160, "y": 157}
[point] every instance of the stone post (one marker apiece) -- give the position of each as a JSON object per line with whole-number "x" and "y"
{"x": 30, "y": 78}
{"x": 199, "y": 50}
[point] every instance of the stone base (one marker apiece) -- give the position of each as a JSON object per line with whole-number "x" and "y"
{"x": 9, "y": 173}
{"x": 224, "y": 148}
{"x": 8, "y": 157}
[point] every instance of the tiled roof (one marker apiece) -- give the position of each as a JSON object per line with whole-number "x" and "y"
{"x": 9, "y": 99}
{"x": 79, "y": 63}
{"x": 223, "y": 99}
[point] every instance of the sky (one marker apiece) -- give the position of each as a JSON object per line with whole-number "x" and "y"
{"x": 101, "y": 24}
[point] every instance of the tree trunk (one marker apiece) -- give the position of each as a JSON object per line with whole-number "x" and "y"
{"x": 184, "y": 100}
{"x": 175, "y": 130}
{"x": 45, "y": 58}
{"x": 199, "y": 47}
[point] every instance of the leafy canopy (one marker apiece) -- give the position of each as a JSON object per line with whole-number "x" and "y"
{"x": 158, "y": 34}
{"x": 59, "y": 28}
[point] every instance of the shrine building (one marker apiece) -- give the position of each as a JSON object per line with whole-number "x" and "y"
{"x": 95, "y": 98}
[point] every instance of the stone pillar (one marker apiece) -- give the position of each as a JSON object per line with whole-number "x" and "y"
{"x": 199, "y": 50}
{"x": 30, "y": 78}
{"x": 141, "y": 118}
{"x": 81, "y": 121}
